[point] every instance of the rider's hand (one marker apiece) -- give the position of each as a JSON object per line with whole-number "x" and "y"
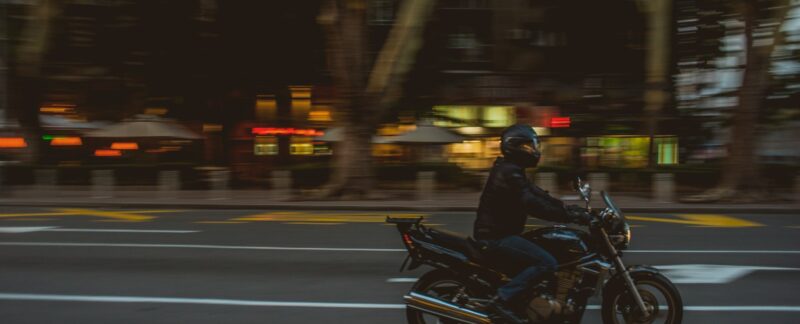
{"x": 579, "y": 215}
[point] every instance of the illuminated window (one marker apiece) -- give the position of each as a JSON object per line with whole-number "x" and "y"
{"x": 498, "y": 116}
{"x": 667, "y": 150}
{"x": 265, "y": 145}
{"x": 301, "y": 146}
{"x": 322, "y": 148}
{"x": 456, "y": 116}
{"x": 319, "y": 115}
{"x": 265, "y": 107}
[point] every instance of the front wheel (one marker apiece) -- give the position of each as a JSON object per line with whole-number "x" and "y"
{"x": 661, "y": 298}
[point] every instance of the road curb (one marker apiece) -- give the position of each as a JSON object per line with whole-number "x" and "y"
{"x": 386, "y": 207}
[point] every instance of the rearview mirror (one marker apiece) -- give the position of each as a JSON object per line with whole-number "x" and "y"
{"x": 584, "y": 189}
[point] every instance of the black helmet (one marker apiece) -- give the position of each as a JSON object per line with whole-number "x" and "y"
{"x": 511, "y": 144}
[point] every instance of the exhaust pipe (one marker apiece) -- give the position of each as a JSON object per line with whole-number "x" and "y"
{"x": 442, "y": 308}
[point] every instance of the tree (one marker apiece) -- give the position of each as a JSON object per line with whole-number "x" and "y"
{"x": 26, "y": 81}
{"x": 741, "y": 176}
{"x": 366, "y": 95}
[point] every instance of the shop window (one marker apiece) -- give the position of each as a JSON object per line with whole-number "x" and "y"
{"x": 456, "y": 116}
{"x": 265, "y": 108}
{"x": 265, "y": 145}
{"x": 667, "y": 150}
{"x": 322, "y": 148}
{"x": 498, "y": 116}
{"x": 301, "y": 146}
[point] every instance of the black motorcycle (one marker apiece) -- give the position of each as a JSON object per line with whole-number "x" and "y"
{"x": 466, "y": 277}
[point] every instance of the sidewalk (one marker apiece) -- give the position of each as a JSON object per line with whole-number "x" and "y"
{"x": 394, "y": 201}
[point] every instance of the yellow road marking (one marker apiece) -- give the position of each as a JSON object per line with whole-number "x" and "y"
{"x": 700, "y": 220}
{"x": 128, "y": 216}
{"x": 116, "y": 215}
{"x": 311, "y": 223}
{"x": 115, "y": 221}
{"x": 219, "y": 222}
{"x": 35, "y": 214}
{"x": 323, "y": 218}
{"x": 155, "y": 211}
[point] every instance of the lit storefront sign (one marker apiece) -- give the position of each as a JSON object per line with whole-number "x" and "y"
{"x": 66, "y": 141}
{"x": 107, "y": 153}
{"x": 124, "y": 146}
{"x": 12, "y": 142}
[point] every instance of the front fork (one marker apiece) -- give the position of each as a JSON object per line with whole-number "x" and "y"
{"x": 625, "y": 275}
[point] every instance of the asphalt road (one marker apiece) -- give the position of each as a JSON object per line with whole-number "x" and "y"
{"x": 219, "y": 266}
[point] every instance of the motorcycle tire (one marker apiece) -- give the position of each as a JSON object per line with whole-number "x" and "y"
{"x": 613, "y": 294}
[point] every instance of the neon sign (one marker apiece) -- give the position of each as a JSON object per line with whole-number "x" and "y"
{"x": 560, "y": 122}
{"x": 285, "y": 131}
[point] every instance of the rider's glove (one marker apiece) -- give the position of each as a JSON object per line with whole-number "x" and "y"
{"x": 579, "y": 215}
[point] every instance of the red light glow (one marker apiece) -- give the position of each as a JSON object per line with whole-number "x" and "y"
{"x": 285, "y": 131}
{"x": 560, "y": 122}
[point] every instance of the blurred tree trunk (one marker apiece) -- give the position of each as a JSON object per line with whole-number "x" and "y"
{"x": 365, "y": 95}
{"x": 657, "y": 68}
{"x": 741, "y": 177}
{"x": 27, "y": 81}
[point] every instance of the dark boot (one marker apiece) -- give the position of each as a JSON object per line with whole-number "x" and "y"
{"x": 499, "y": 308}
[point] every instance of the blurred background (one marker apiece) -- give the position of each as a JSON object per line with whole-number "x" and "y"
{"x": 213, "y": 161}
{"x": 377, "y": 99}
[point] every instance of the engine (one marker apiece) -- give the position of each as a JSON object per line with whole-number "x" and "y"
{"x": 544, "y": 306}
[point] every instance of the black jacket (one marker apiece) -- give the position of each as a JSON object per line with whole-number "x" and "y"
{"x": 508, "y": 198}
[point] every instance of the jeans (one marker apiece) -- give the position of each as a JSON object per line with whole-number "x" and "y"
{"x": 519, "y": 250}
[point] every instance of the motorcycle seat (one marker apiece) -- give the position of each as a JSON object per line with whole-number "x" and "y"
{"x": 457, "y": 242}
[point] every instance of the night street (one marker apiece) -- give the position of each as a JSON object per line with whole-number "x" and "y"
{"x": 257, "y": 266}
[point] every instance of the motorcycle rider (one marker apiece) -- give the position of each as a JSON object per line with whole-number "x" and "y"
{"x": 507, "y": 199}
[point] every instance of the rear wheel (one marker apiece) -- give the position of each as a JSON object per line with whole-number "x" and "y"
{"x": 442, "y": 285}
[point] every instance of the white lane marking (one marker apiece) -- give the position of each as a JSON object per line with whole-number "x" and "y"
{"x": 687, "y": 273}
{"x": 18, "y": 229}
{"x": 197, "y": 246}
{"x": 117, "y": 230}
{"x": 269, "y": 303}
{"x": 710, "y": 273}
{"x": 717, "y": 251}
{"x": 204, "y": 301}
{"x": 285, "y": 248}
{"x": 745, "y": 308}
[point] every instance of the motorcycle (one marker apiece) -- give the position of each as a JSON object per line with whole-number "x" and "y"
{"x": 465, "y": 276}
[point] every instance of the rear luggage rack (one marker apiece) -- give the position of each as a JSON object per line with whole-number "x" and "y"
{"x": 405, "y": 223}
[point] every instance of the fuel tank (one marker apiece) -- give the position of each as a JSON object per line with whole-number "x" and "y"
{"x": 565, "y": 244}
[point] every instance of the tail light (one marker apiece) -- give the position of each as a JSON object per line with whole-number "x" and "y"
{"x": 407, "y": 240}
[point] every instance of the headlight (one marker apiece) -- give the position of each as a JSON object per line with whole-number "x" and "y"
{"x": 627, "y": 235}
